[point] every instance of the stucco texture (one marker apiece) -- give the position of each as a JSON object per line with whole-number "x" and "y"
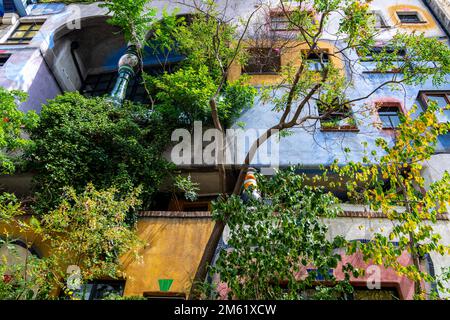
{"x": 174, "y": 249}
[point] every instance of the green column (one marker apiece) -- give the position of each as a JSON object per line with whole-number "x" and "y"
{"x": 129, "y": 65}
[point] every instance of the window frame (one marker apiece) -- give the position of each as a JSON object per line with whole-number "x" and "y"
{"x": 4, "y": 57}
{"x": 277, "y": 63}
{"x": 420, "y": 19}
{"x": 325, "y": 54}
{"x": 284, "y": 20}
{"x": 92, "y": 293}
{"x": 423, "y": 96}
{"x": 389, "y": 105}
{"x": 379, "y": 49}
{"x": 279, "y": 15}
{"x": 338, "y": 114}
{"x": 23, "y": 40}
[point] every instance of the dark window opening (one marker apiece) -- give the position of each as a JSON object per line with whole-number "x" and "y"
{"x": 180, "y": 204}
{"x": 187, "y": 19}
{"x": 389, "y": 117}
{"x": 374, "y": 52}
{"x": 442, "y": 99}
{"x": 101, "y": 84}
{"x": 263, "y": 60}
{"x": 336, "y": 118}
{"x": 98, "y": 290}
{"x": 24, "y": 33}
{"x": 279, "y": 21}
{"x": 409, "y": 17}
{"x": 316, "y": 60}
{"x": 3, "y": 59}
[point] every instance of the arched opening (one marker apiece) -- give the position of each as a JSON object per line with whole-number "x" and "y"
{"x": 86, "y": 59}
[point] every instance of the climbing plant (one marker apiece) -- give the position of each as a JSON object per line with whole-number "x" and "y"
{"x": 14, "y": 124}
{"x": 81, "y": 140}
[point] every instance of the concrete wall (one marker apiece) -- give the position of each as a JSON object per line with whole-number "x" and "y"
{"x": 441, "y": 8}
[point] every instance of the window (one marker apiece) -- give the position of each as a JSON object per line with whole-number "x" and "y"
{"x": 24, "y": 33}
{"x": 100, "y": 84}
{"x": 99, "y": 289}
{"x": 263, "y": 61}
{"x": 279, "y": 21}
{"x": 3, "y": 59}
{"x": 409, "y": 17}
{"x": 315, "y": 60}
{"x": 339, "y": 119}
{"x": 375, "y": 52}
{"x": 441, "y": 98}
{"x": 389, "y": 116}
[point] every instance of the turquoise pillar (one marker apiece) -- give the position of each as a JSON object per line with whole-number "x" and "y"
{"x": 129, "y": 65}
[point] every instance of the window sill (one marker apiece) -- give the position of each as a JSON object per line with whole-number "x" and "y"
{"x": 340, "y": 129}
{"x": 382, "y": 72}
{"x": 413, "y": 23}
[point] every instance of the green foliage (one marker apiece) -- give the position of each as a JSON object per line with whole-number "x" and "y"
{"x": 275, "y": 240}
{"x": 23, "y": 278}
{"x": 13, "y": 124}
{"x": 184, "y": 96}
{"x": 88, "y": 230}
{"x": 188, "y": 187}
{"x": 207, "y": 41}
{"x": 134, "y": 17}
{"x": 392, "y": 183}
{"x": 81, "y": 140}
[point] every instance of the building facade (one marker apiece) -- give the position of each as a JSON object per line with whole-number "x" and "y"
{"x": 47, "y": 49}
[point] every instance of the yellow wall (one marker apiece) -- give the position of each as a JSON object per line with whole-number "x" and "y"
{"x": 430, "y": 22}
{"x": 290, "y": 56}
{"x": 175, "y": 247}
{"x": 13, "y": 232}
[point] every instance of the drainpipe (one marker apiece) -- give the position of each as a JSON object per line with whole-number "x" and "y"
{"x": 128, "y": 65}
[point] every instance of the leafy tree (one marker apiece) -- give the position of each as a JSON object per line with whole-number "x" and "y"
{"x": 134, "y": 17}
{"x": 183, "y": 97}
{"x": 390, "y": 179}
{"x": 274, "y": 241}
{"x": 88, "y": 230}
{"x": 13, "y": 125}
{"x": 81, "y": 140}
{"x": 328, "y": 87}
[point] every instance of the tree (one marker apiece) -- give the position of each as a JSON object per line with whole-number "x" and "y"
{"x": 414, "y": 57}
{"x": 13, "y": 125}
{"x": 274, "y": 241}
{"x": 81, "y": 140}
{"x": 88, "y": 231}
{"x": 389, "y": 180}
